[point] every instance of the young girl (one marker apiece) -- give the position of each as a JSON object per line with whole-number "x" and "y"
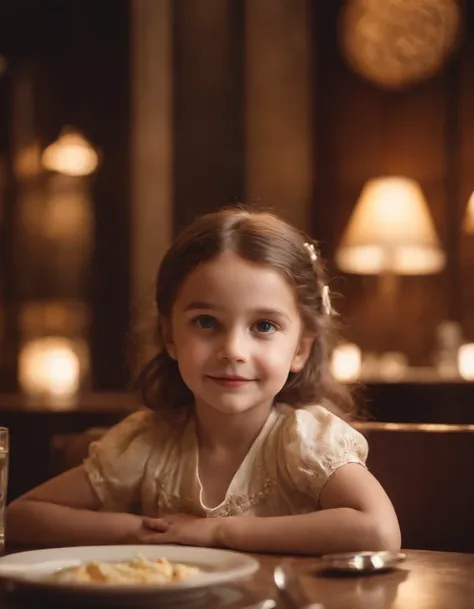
{"x": 239, "y": 446}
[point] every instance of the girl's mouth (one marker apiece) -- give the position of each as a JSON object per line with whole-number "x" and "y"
{"x": 230, "y": 381}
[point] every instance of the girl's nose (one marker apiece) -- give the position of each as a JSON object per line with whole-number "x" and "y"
{"x": 234, "y": 346}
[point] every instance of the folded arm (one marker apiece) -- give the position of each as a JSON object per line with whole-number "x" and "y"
{"x": 64, "y": 511}
{"x": 357, "y": 515}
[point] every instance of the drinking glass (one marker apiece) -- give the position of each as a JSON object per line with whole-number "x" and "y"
{"x": 4, "y": 454}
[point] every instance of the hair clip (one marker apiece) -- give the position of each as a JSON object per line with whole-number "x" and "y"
{"x": 326, "y": 300}
{"x": 313, "y": 254}
{"x": 325, "y": 297}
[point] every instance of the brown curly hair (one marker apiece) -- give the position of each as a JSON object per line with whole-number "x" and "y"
{"x": 266, "y": 239}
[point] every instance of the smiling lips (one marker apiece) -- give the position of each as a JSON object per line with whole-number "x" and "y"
{"x": 230, "y": 382}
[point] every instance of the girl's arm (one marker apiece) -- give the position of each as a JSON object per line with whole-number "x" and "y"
{"x": 63, "y": 511}
{"x": 69, "y": 510}
{"x": 357, "y": 515}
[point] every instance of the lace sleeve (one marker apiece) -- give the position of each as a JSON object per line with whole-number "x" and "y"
{"x": 116, "y": 463}
{"x": 314, "y": 443}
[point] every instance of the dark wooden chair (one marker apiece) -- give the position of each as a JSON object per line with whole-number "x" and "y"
{"x": 427, "y": 472}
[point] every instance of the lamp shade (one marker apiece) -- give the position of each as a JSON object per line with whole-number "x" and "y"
{"x": 469, "y": 217}
{"x": 390, "y": 231}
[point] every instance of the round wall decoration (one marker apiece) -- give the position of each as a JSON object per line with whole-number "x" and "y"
{"x": 395, "y": 43}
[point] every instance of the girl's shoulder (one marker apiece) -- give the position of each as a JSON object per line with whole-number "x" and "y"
{"x": 317, "y": 429}
{"x": 312, "y": 443}
{"x": 318, "y": 412}
{"x": 141, "y": 428}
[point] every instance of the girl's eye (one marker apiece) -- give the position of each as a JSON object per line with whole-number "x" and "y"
{"x": 205, "y": 322}
{"x": 265, "y": 327}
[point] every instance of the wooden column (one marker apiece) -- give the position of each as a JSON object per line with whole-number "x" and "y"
{"x": 208, "y": 92}
{"x": 152, "y": 148}
{"x": 279, "y": 107}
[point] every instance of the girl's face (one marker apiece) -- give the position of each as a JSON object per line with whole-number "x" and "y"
{"x": 236, "y": 333}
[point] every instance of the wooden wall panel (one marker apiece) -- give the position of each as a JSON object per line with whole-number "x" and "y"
{"x": 363, "y": 132}
{"x": 466, "y": 172}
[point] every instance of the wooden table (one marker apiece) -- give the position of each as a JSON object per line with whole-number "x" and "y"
{"x": 426, "y": 580}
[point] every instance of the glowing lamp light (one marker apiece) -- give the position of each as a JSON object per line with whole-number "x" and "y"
{"x": 469, "y": 217}
{"x": 50, "y": 369}
{"x": 346, "y": 362}
{"x": 466, "y": 361}
{"x": 71, "y": 154}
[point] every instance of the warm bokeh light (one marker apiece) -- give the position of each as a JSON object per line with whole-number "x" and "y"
{"x": 71, "y": 154}
{"x": 54, "y": 317}
{"x": 49, "y": 368}
{"x": 346, "y": 362}
{"x": 27, "y": 162}
{"x": 466, "y": 361}
{"x": 390, "y": 231}
{"x": 393, "y": 366}
{"x": 68, "y": 217}
{"x": 468, "y": 225}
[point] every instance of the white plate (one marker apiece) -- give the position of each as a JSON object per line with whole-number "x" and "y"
{"x": 27, "y": 570}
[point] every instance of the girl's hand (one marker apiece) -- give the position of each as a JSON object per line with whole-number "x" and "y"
{"x": 185, "y": 530}
{"x": 135, "y": 531}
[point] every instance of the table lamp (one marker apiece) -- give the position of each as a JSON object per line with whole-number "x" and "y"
{"x": 390, "y": 232}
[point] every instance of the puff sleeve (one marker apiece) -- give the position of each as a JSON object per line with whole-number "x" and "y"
{"x": 313, "y": 444}
{"x": 116, "y": 463}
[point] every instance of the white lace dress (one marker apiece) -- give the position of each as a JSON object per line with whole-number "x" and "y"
{"x": 148, "y": 466}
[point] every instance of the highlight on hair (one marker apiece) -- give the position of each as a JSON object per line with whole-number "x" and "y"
{"x": 263, "y": 238}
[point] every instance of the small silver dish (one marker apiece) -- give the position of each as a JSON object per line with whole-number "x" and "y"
{"x": 361, "y": 562}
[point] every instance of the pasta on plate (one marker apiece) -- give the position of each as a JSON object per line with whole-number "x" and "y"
{"x": 139, "y": 570}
